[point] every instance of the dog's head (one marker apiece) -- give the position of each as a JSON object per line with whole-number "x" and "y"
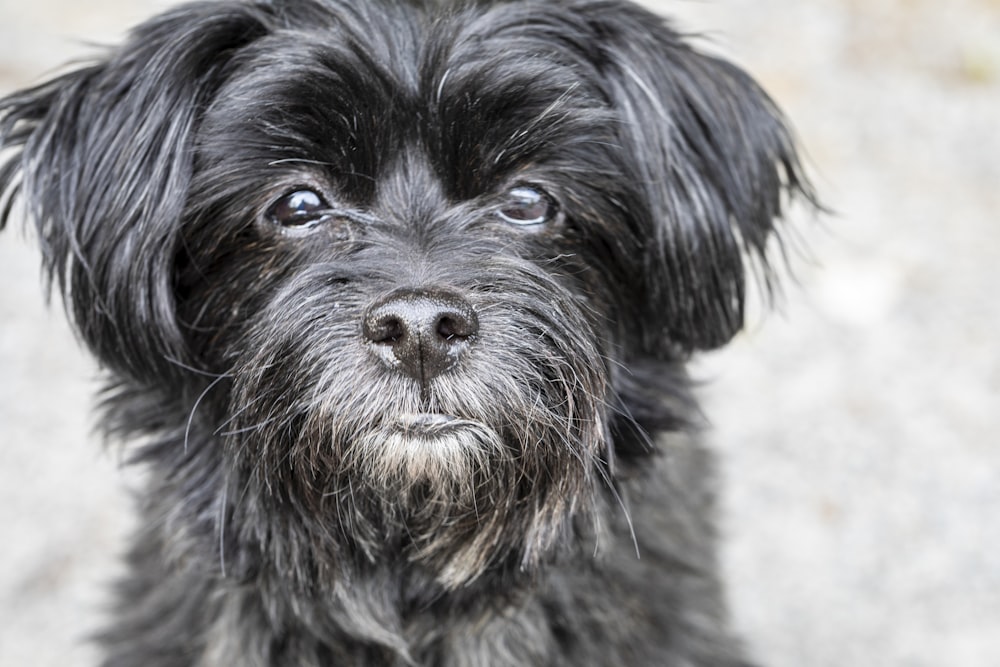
{"x": 425, "y": 268}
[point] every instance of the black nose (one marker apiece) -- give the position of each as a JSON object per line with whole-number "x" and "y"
{"x": 421, "y": 332}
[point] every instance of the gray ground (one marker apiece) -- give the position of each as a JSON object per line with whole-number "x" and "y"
{"x": 857, "y": 426}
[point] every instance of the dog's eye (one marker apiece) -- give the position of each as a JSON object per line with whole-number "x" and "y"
{"x": 526, "y": 206}
{"x": 302, "y": 208}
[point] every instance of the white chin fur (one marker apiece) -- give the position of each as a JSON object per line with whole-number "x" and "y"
{"x": 442, "y": 450}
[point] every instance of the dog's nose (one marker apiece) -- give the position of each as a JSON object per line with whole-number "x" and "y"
{"x": 422, "y": 332}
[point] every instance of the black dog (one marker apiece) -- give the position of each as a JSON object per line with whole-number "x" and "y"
{"x": 395, "y": 299}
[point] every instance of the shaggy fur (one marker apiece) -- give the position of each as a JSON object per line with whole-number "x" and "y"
{"x": 394, "y": 298}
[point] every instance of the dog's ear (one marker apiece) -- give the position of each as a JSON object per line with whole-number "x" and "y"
{"x": 715, "y": 161}
{"x": 101, "y": 158}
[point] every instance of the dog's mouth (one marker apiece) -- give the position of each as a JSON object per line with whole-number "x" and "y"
{"x": 431, "y": 424}
{"x": 444, "y": 449}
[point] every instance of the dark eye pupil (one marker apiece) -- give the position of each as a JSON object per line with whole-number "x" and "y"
{"x": 526, "y": 206}
{"x": 298, "y": 208}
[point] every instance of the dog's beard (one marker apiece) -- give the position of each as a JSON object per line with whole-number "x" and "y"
{"x": 441, "y": 451}
{"x": 486, "y": 464}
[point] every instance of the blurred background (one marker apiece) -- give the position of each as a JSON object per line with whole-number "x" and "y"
{"x": 856, "y": 424}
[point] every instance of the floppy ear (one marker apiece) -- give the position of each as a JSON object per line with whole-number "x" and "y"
{"x": 715, "y": 161}
{"x": 101, "y": 158}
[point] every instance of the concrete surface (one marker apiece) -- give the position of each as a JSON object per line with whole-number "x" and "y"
{"x": 857, "y": 426}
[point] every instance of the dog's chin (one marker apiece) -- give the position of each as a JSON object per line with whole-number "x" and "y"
{"x": 451, "y": 491}
{"x": 444, "y": 453}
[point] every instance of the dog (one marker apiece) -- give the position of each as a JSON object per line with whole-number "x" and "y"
{"x": 395, "y": 300}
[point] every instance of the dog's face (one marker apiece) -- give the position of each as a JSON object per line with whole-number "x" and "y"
{"x": 424, "y": 271}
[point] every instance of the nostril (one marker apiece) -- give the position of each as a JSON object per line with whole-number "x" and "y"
{"x": 446, "y": 328}
{"x": 386, "y": 329}
{"x": 454, "y": 327}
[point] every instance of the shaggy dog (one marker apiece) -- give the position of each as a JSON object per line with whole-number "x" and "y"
{"x": 394, "y": 298}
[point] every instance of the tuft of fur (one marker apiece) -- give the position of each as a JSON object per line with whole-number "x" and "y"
{"x": 542, "y": 498}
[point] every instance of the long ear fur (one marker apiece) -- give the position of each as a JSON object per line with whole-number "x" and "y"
{"x": 716, "y": 161}
{"x": 101, "y": 157}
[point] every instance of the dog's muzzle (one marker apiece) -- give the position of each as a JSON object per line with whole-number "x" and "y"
{"x": 420, "y": 332}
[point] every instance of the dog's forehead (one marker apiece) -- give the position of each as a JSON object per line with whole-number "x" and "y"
{"x": 482, "y": 93}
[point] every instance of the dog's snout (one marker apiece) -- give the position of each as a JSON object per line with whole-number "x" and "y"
{"x": 421, "y": 332}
